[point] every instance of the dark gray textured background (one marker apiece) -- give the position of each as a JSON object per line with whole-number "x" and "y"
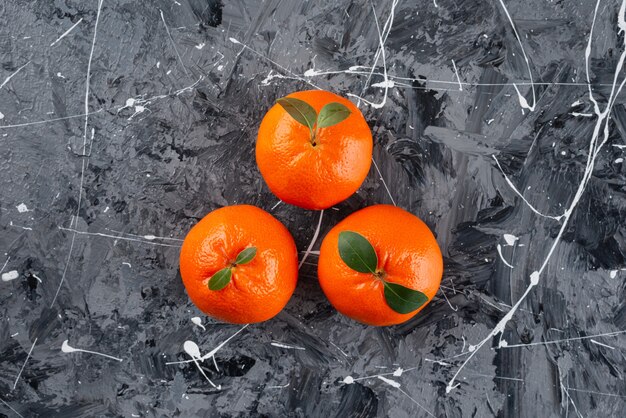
{"x": 185, "y": 146}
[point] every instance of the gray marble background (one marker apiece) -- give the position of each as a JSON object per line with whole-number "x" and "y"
{"x": 122, "y": 123}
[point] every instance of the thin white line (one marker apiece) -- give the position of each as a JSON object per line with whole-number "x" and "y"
{"x": 416, "y": 403}
{"x": 317, "y": 232}
{"x": 510, "y": 183}
{"x": 39, "y": 122}
{"x": 603, "y": 345}
{"x": 24, "y": 365}
{"x": 456, "y": 71}
{"x": 5, "y": 264}
{"x": 66, "y": 32}
{"x": 82, "y": 172}
{"x": 13, "y": 75}
{"x": 506, "y": 263}
{"x": 99, "y": 234}
{"x": 173, "y": 43}
{"x": 11, "y": 408}
{"x": 608, "y": 334}
{"x": 380, "y": 175}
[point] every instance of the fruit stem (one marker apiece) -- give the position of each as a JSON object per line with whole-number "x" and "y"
{"x": 380, "y": 274}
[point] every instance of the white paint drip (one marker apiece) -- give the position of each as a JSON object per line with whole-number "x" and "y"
{"x": 348, "y": 380}
{"x": 10, "y": 275}
{"x": 212, "y": 352}
{"x": 4, "y": 83}
{"x": 193, "y": 351}
{"x": 198, "y": 322}
{"x": 21, "y": 208}
{"x": 315, "y": 235}
{"x": 582, "y": 115}
{"x": 456, "y": 71}
{"x": 126, "y": 264}
{"x": 389, "y": 381}
{"x": 66, "y": 32}
{"x": 613, "y": 274}
{"x": 619, "y": 160}
{"x": 522, "y": 100}
{"x": 1, "y": 115}
{"x": 200, "y": 45}
{"x": 499, "y": 247}
{"x": 577, "y": 103}
{"x": 287, "y": 346}
{"x": 510, "y": 239}
{"x": 66, "y": 348}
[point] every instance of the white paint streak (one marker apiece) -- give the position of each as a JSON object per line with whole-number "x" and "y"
{"x": 212, "y": 352}
{"x": 287, "y": 346}
{"x": 389, "y": 381}
{"x": 315, "y": 235}
{"x": 66, "y": 348}
{"x": 99, "y": 234}
{"x": 85, "y": 158}
{"x": 456, "y": 71}
{"x": 380, "y": 176}
{"x": 499, "y": 247}
{"x": 522, "y": 100}
{"x": 588, "y": 337}
{"x": 173, "y": 43}
{"x": 24, "y": 365}
{"x": 4, "y": 83}
{"x": 66, "y": 32}
{"x": 601, "y": 344}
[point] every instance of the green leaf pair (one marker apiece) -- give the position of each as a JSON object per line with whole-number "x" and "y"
{"x": 358, "y": 254}
{"x": 220, "y": 279}
{"x": 331, "y": 114}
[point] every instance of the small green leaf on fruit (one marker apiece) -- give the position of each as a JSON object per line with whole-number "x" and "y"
{"x": 245, "y": 256}
{"x": 402, "y": 299}
{"x": 357, "y": 252}
{"x": 300, "y": 110}
{"x": 332, "y": 114}
{"x": 220, "y": 279}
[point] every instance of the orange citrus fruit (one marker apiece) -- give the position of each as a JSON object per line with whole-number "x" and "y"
{"x": 314, "y": 154}
{"x": 247, "y": 257}
{"x": 399, "y": 273}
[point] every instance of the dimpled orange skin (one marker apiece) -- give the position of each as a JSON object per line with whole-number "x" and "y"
{"x": 407, "y": 251}
{"x": 314, "y": 177}
{"x": 258, "y": 290}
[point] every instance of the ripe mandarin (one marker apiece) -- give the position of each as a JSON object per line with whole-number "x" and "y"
{"x": 247, "y": 256}
{"x": 406, "y": 265}
{"x": 314, "y": 154}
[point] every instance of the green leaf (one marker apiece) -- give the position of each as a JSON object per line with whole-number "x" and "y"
{"x": 299, "y": 110}
{"x": 245, "y": 256}
{"x": 220, "y": 279}
{"x": 402, "y": 299}
{"x": 332, "y": 114}
{"x": 356, "y": 251}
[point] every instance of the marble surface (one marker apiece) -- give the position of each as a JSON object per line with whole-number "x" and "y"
{"x": 500, "y": 123}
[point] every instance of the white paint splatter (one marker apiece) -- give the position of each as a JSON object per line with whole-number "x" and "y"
{"x": 66, "y": 348}
{"x": 197, "y": 321}
{"x": 619, "y": 160}
{"x": 510, "y": 239}
{"x": 200, "y": 45}
{"x": 1, "y": 115}
{"x": 126, "y": 264}
{"x": 613, "y": 274}
{"x": 21, "y": 208}
{"x": 348, "y": 380}
{"x": 10, "y": 275}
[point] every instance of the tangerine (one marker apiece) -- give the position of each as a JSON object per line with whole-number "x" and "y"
{"x": 405, "y": 269}
{"x": 239, "y": 264}
{"x": 314, "y": 149}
